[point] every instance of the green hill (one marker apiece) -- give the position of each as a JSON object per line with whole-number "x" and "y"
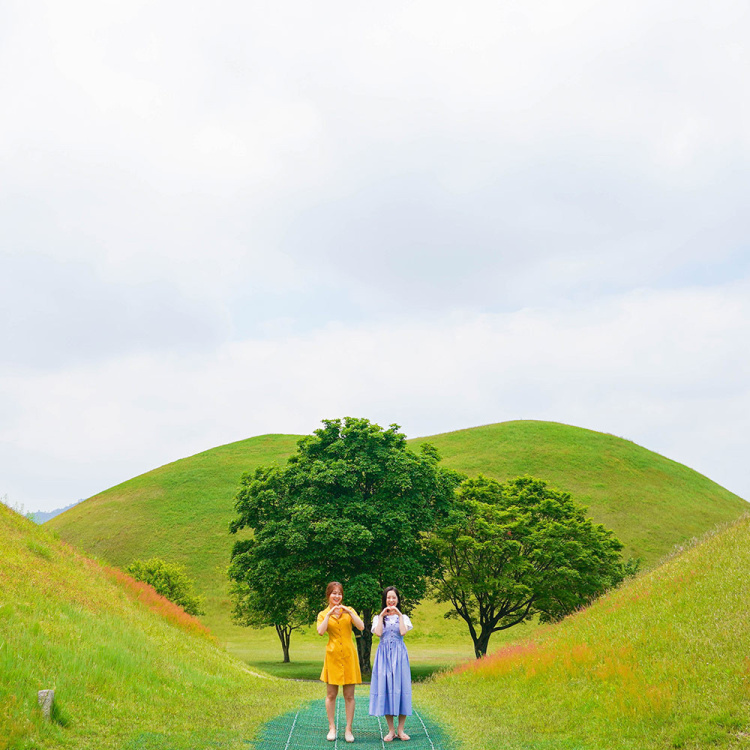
{"x": 661, "y": 663}
{"x": 130, "y": 670}
{"x": 651, "y": 502}
{"x": 181, "y": 512}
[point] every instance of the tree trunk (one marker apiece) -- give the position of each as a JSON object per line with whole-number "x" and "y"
{"x": 481, "y": 643}
{"x": 364, "y": 644}
{"x": 285, "y": 634}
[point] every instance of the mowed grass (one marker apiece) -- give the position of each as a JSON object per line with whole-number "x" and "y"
{"x": 651, "y": 502}
{"x": 181, "y": 512}
{"x": 130, "y": 670}
{"x": 663, "y": 662}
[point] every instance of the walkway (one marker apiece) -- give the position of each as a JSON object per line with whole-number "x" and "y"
{"x": 306, "y": 729}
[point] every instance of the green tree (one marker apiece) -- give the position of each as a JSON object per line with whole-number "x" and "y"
{"x": 509, "y": 552}
{"x": 170, "y": 580}
{"x": 268, "y": 587}
{"x": 349, "y": 505}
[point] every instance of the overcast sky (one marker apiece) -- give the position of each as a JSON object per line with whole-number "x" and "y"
{"x": 225, "y": 219}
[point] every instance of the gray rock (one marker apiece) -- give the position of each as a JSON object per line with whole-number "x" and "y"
{"x": 45, "y": 699}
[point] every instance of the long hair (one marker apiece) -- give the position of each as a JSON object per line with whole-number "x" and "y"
{"x": 385, "y": 593}
{"x": 329, "y": 589}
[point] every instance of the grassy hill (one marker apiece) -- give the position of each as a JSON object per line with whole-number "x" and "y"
{"x": 130, "y": 670}
{"x": 661, "y": 663}
{"x": 181, "y": 512}
{"x": 651, "y": 502}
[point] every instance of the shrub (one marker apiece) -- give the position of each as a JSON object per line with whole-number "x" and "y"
{"x": 169, "y": 580}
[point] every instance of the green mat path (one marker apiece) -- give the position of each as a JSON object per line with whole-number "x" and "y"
{"x": 306, "y": 729}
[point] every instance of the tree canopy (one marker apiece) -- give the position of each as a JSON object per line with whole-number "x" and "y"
{"x": 512, "y": 551}
{"x": 349, "y": 505}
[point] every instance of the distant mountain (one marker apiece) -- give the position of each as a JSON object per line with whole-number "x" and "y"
{"x": 40, "y": 516}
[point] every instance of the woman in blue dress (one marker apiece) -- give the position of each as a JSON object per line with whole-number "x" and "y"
{"x": 390, "y": 686}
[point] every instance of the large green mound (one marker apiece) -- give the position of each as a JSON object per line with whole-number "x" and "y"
{"x": 651, "y": 502}
{"x": 660, "y": 663}
{"x": 181, "y": 511}
{"x": 129, "y": 669}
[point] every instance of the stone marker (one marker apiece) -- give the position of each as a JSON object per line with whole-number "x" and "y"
{"x": 45, "y": 698}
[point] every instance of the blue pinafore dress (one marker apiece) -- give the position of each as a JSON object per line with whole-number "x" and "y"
{"x": 390, "y": 686}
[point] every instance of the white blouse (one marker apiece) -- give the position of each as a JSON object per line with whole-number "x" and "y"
{"x": 391, "y": 618}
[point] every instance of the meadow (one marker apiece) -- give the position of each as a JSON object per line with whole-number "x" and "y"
{"x": 662, "y": 662}
{"x": 131, "y": 671}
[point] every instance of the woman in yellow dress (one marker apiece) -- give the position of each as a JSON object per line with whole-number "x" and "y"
{"x": 341, "y": 665}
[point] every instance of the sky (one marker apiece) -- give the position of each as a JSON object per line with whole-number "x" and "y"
{"x": 225, "y": 219}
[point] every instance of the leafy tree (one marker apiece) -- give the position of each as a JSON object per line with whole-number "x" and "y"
{"x": 268, "y": 587}
{"x": 512, "y": 551}
{"x": 349, "y": 505}
{"x": 169, "y": 580}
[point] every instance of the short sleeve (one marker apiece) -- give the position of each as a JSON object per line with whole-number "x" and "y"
{"x": 321, "y": 616}
{"x": 407, "y": 622}
{"x": 375, "y": 621}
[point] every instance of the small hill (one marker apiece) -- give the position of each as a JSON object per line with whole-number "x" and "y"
{"x": 130, "y": 670}
{"x": 660, "y": 663}
{"x": 181, "y": 511}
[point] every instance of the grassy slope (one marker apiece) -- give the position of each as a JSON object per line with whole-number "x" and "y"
{"x": 181, "y": 512}
{"x": 660, "y": 663}
{"x": 124, "y": 676}
{"x": 651, "y": 502}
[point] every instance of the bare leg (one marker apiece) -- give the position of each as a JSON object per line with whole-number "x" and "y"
{"x": 349, "y": 706}
{"x": 401, "y": 734}
{"x": 391, "y": 730}
{"x": 331, "y": 692}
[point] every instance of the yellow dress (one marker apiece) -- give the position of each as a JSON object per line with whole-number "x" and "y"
{"x": 341, "y": 665}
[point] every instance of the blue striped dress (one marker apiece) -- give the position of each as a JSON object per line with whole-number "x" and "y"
{"x": 390, "y": 686}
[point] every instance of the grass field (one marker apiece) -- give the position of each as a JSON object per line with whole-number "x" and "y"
{"x": 130, "y": 670}
{"x": 663, "y": 662}
{"x": 181, "y": 512}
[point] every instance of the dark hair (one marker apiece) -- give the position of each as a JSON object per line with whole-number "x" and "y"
{"x": 330, "y": 587}
{"x": 395, "y": 591}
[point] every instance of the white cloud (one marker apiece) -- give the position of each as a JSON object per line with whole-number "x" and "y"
{"x": 460, "y": 213}
{"x": 666, "y": 369}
